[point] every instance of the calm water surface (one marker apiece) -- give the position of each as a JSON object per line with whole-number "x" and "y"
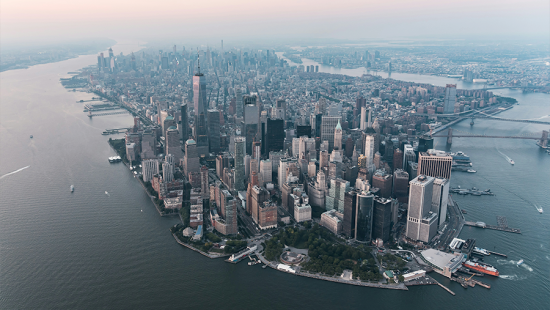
{"x": 89, "y": 250}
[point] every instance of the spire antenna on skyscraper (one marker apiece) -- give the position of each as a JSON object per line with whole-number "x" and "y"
{"x": 198, "y": 62}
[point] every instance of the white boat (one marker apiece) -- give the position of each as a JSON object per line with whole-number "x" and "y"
{"x": 520, "y": 262}
{"x": 106, "y": 193}
{"x": 471, "y": 171}
{"x": 72, "y": 188}
{"x": 539, "y": 209}
{"x": 511, "y": 161}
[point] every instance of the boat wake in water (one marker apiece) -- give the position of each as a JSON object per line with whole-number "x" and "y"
{"x": 508, "y": 159}
{"x": 14, "y": 172}
{"x": 513, "y": 277}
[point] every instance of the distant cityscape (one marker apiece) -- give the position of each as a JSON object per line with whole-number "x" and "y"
{"x": 260, "y": 157}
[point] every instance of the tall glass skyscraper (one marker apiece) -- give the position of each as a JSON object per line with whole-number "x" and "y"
{"x": 200, "y": 105}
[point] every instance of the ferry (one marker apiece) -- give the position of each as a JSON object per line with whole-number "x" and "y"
{"x": 481, "y": 251}
{"x": 115, "y": 159}
{"x": 520, "y": 262}
{"x": 72, "y": 188}
{"x": 460, "y": 156}
{"x": 481, "y": 267}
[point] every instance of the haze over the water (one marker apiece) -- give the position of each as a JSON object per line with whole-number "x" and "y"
{"x": 38, "y": 21}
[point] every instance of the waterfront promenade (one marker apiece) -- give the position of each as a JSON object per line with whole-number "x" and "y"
{"x": 398, "y": 286}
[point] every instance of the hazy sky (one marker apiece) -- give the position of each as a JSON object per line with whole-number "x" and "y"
{"x": 211, "y": 20}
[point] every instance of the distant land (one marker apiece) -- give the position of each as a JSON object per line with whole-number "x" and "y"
{"x": 24, "y": 56}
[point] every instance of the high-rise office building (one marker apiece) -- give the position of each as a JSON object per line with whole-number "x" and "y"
{"x": 350, "y": 213}
{"x": 363, "y": 120}
{"x": 239, "y": 163}
{"x": 205, "y": 192}
{"x": 381, "y": 219}
{"x": 450, "y": 99}
{"x": 275, "y": 135}
{"x": 184, "y": 123}
{"x": 239, "y": 107}
{"x": 421, "y": 221}
{"x": 167, "y": 173}
{"x": 266, "y": 171}
{"x": 369, "y": 151}
{"x": 338, "y": 137}
{"x": 328, "y": 125}
{"x": 200, "y": 105}
{"x": 214, "y": 130}
{"x": 336, "y": 194}
{"x": 425, "y": 143}
{"x": 440, "y": 198}
{"x": 383, "y": 181}
{"x": 364, "y": 217}
{"x": 400, "y": 185}
{"x": 435, "y": 164}
{"x": 150, "y": 167}
{"x": 408, "y": 155}
{"x": 173, "y": 145}
{"x": 191, "y": 157}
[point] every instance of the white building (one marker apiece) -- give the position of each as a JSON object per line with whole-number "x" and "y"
{"x": 302, "y": 213}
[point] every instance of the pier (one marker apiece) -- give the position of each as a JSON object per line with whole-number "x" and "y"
{"x": 499, "y": 254}
{"x": 90, "y": 115}
{"x": 501, "y": 228}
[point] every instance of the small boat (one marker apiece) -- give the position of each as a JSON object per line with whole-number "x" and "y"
{"x": 539, "y": 209}
{"x": 520, "y": 262}
{"x": 471, "y": 171}
{"x": 106, "y": 193}
{"x": 31, "y": 136}
{"x": 72, "y": 188}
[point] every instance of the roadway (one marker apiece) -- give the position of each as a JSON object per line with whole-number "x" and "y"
{"x": 454, "y": 225}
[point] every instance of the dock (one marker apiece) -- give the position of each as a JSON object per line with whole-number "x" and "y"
{"x": 90, "y": 115}
{"x": 502, "y": 226}
{"x": 499, "y": 254}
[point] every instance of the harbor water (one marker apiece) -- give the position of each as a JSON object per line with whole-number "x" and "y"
{"x": 89, "y": 250}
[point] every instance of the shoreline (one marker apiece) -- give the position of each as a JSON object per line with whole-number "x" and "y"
{"x": 400, "y": 286}
{"x": 197, "y": 250}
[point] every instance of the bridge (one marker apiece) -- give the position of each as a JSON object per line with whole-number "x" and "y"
{"x": 543, "y": 139}
{"x": 516, "y": 87}
{"x": 482, "y": 115}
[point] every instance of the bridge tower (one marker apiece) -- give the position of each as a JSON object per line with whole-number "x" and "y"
{"x": 450, "y": 136}
{"x": 544, "y": 139}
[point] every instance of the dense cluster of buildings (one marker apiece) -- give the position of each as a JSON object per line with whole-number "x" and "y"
{"x": 239, "y": 133}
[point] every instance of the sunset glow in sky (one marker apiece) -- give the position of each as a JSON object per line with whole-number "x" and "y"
{"x": 213, "y": 19}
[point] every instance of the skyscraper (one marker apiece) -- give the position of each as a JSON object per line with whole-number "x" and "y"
{"x": 450, "y": 99}
{"x": 214, "y": 130}
{"x": 191, "y": 158}
{"x": 239, "y": 163}
{"x": 381, "y": 219}
{"x": 337, "y": 191}
{"x": 184, "y": 123}
{"x": 440, "y": 198}
{"x": 350, "y": 213}
{"x": 435, "y": 164}
{"x": 383, "y": 181}
{"x": 200, "y": 105}
{"x": 275, "y": 135}
{"x": 328, "y": 124}
{"x": 363, "y": 218}
{"x": 150, "y": 168}
{"x": 167, "y": 173}
{"x": 173, "y": 145}
{"x": 338, "y": 137}
{"x": 421, "y": 221}
{"x": 239, "y": 107}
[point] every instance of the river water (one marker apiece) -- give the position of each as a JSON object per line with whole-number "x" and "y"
{"x": 89, "y": 250}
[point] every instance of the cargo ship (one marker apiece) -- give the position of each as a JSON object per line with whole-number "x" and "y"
{"x": 481, "y": 267}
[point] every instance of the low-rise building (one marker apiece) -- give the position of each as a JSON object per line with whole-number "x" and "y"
{"x": 332, "y": 220}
